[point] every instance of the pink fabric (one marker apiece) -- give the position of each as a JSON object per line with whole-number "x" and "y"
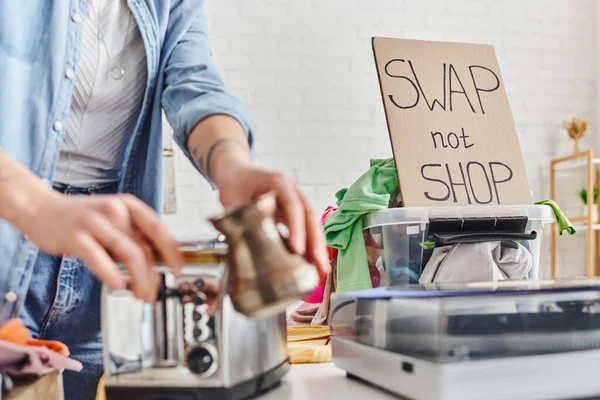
{"x": 375, "y": 276}
{"x": 20, "y": 360}
{"x": 303, "y": 315}
{"x": 373, "y": 254}
{"x": 316, "y": 296}
{"x": 315, "y": 314}
{"x": 325, "y": 215}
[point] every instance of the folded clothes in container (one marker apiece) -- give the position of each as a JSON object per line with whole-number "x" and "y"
{"x": 18, "y": 360}
{"x": 315, "y": 314}
{"x": 304, "y": 314}
{"x": 15, "y": 332}
{"x": 22, "y": 355}
{"x": 478, "y": 262}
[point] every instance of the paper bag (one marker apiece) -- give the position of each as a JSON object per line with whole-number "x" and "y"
{"x": 47, "y": 387}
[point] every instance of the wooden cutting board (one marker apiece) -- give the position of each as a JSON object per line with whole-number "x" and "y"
{"x": 300, "y": 333}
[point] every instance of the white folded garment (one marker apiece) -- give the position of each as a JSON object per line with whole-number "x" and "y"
{"x": 477, "y": 262}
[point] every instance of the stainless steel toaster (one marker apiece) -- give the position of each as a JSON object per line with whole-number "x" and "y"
{"x": 191, "y": 344}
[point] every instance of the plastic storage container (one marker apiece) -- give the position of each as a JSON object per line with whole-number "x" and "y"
{"x": 400, "y": 242}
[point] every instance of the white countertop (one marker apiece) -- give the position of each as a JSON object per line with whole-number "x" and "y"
{"x": 322, "y": 381}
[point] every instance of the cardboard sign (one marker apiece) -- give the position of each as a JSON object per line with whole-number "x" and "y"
{"x": 450, "y": 124}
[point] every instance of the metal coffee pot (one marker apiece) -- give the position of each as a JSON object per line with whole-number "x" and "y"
{"x": 262, "y": 276}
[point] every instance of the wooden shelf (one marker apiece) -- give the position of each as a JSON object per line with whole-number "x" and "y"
{"x": 587, "y": 162}
{"x": 578, "y": 219}
{"x": 583, "y": 227}
{"x": 566, "y": 166}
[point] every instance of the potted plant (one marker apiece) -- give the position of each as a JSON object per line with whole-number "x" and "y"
{"x": 583, "y": 194}
{"x": 576, "y": 129}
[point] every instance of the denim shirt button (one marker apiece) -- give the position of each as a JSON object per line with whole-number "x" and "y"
{"x": 76, "y": 18}
{"x": 10, "y": 297}
{"x": 58, "y": 126}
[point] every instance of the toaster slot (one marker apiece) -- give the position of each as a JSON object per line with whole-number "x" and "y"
{"x": 167, "y": 312}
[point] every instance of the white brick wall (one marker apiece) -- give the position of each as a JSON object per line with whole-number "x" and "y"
{"x": 305, "y": 68}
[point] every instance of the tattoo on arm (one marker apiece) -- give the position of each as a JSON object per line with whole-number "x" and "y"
{"x": 200, "y": 160}
{"x": 211, "y": 151}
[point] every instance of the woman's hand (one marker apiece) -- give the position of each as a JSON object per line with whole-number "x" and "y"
{"x": 102, "y": 230}
{"x": 97, "y": 229}
{"x": 245, "y": 182}
{"x": 219, "y": 146}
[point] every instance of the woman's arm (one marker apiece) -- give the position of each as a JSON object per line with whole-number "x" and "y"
{"x": 195, "y": 95}
{"x": 21, "y": 192}
{"x": 216, "y": 132}
{"x": 219, "y": 147}
{"x": 97, "y": 229}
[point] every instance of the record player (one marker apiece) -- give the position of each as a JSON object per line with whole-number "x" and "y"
{"x": 500, "y": 340}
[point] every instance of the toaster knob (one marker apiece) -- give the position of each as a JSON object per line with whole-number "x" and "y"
{"x": 199, "y": 299}
{"x": 199, "y": 284}
{"x": 201, "y": 333}
{"x": 202, "y": 360}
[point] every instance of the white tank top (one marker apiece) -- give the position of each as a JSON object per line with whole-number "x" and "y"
{"x": 110, "y": 83}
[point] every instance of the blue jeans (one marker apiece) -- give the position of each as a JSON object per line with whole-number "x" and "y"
{"x": 63, "y": 303}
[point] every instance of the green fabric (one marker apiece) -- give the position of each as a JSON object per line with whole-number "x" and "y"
{"x": 563, "y": 222}
{"x": 427, "y": 245}
{"x": 344, "y": 227}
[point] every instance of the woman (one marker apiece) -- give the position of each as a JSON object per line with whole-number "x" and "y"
{"x": 83, "y": 86}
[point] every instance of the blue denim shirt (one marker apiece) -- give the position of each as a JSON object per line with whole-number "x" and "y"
{"x": 39, "y": 41}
